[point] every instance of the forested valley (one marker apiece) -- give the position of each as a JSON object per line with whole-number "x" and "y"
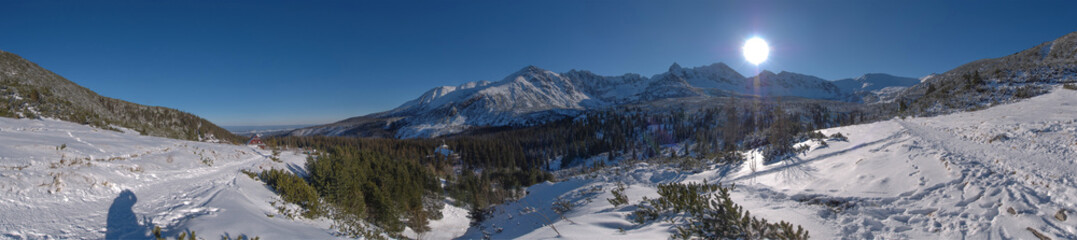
{"x": 370, "y": 186}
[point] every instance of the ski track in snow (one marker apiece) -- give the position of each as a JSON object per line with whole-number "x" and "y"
{"x": 84, "y": 142}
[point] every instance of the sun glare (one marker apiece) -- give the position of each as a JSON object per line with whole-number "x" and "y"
{"x": 756, "y": 50}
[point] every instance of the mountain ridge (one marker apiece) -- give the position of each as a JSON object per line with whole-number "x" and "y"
{"x": 974, "y": 85}
{"x": 32, "y": 91}
{"x": 876, "y": 87}
{"x": 534, "y": 95}
{"x": 988, "y": 82}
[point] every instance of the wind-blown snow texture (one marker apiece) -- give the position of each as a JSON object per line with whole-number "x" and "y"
{"x": 534, "y": 95}
{"x": 951, "y": 177}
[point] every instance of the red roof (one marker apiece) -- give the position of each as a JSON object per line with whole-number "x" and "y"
{"x": 255, "y": 141}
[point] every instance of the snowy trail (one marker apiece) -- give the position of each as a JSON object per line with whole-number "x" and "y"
{"x": 973, "y": 205}
{"x": 84, "y": 142}
{"x": 976, "y": 152}
{"x": 63, "y": 180}
{"x": 970, "y": 182}
{"x": 171, "y": 197}
{"x": 989, "y": 187}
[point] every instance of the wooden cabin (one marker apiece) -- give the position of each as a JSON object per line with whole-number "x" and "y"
{"x": 256, "y": 140}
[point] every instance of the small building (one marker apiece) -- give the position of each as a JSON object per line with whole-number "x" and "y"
{"x": 256, "y": 140}
{"x": 309, "y": 150}
{"x": 444, "y": 150}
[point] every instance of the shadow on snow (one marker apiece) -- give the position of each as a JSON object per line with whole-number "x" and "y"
{"x": 122, "y": 221}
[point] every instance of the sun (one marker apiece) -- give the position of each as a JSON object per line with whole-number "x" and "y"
{"x": 756, "y": 50}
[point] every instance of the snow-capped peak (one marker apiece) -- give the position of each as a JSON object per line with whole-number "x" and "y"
{"x": 529, "y": 69}
{"x": 766, "y": 73}
{"x": 474, "y": 84}
{"x": 767, "y": 83}
{"x": 675, "y": 67}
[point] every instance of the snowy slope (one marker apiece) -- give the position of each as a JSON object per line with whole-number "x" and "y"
{"x": 65, "y": 180}
{"x": 990, "y": 174}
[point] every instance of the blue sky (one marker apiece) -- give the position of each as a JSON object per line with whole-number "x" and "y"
{"x": 267, "y": 63}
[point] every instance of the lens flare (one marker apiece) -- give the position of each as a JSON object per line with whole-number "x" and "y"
{"x": 756, "y": 50}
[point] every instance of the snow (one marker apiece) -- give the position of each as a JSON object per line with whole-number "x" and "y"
{"x": 949, "y": 177}
{"x": 454, "y": 223}
{"x": 65, "y": 180}
{"x": 444, "y": 150}
{"x": 928, "y": 77}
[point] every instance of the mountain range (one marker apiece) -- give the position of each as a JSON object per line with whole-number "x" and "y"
{"x": 534, "y": 95}
{"x": 79, "y": 168}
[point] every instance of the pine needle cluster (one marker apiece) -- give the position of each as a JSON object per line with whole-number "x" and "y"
{"x": 699, "y": 213}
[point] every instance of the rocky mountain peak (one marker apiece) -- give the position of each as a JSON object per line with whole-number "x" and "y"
{"x": 675, "y": 67}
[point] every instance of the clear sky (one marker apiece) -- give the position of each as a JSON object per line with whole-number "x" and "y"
{"x": 296, "y": 62}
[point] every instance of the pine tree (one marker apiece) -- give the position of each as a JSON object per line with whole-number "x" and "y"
{"x": 619, "y": 197}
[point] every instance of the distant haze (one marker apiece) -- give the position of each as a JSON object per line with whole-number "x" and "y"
{"x": 265, "y": 128}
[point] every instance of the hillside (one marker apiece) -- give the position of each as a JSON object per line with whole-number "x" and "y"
{"x": 988, "y": 82}
{"x": 30, "y": 91}
{"x": 999, "y": 173}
